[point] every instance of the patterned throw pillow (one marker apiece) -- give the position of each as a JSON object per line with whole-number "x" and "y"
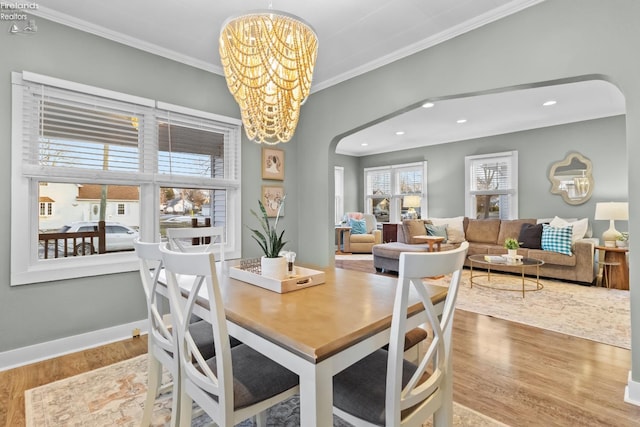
{"x": 557, "y": 239}
{"x": 437, "y": 230}
{"x": 358, "y": 226}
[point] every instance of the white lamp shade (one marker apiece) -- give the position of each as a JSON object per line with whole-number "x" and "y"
{"x": 612, "y": 211}
{"x": 411, "y": 201}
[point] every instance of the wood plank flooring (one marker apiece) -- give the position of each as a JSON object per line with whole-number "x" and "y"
{"x": 517, "y": 374}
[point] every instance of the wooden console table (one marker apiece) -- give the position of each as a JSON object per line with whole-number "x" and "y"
{"x": 390, "y": 232}
{"x": 615, "y": 268}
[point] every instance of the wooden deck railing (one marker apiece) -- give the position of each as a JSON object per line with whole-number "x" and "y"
{"x": 73, "y": 244}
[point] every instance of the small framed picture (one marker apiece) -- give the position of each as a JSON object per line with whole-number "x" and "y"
{"x": 272, "y": 164}
{"x": 272, "y": 196}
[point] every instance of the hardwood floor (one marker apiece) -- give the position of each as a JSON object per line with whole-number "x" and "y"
{"x": 14, "y": 382}
{"x": 516, "y": 374}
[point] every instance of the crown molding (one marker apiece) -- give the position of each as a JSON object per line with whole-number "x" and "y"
{"x": 88, "y": 27}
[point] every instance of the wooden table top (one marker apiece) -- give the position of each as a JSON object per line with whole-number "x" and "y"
{"x": 319, "y": 321}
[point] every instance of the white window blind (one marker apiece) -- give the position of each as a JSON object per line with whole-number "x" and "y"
{"x": 88, "y": 135}
{"x": 378, "y": 182}
{"x": 492, "y": 185}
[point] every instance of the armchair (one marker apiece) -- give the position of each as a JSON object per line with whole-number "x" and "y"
{"x": 363, "y": 242}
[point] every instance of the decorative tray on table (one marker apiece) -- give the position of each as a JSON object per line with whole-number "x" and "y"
{"x": 301, "y": 278}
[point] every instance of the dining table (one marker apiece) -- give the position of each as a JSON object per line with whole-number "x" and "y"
{"x": 316, "y": 331}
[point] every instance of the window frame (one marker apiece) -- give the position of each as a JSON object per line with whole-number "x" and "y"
{"x": 26, "y": 268}
{"x": 395, "y": 197}
{"x": 511, "y": 192}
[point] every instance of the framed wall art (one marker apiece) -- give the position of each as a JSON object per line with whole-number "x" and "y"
{"x": 272, "y": 196}
{"x": 272, "y": 164}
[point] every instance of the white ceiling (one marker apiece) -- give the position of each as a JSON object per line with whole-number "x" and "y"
{"x": 355, "y": 36}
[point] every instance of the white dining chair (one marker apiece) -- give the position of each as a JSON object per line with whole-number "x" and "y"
{"x": 162, "y": 343}
{"x": 384, "y": 389}
{"x": 236, "y": 384}
{"x": 207, "y": 239}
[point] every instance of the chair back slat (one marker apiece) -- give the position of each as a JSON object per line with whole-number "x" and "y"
{"x": 208, "y": 238}
{"x": 193, "y": 272}
{"x": 422, "y": 393}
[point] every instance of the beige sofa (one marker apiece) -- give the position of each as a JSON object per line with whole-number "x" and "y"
{"x": 486, "y": 237}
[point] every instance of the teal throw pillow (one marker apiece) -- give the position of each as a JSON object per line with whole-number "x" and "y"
{"x": 358, "y": 226}
{"x": 437, "y": 230}
{"x": 556, "y": 239}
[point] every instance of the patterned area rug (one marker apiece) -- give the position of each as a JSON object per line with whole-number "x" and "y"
{"x": 114, "y": 396}
{"x": 595, "y": 313}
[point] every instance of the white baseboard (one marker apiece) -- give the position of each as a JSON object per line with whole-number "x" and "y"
{"x": 47, "y": 350}
{"x": 632, "y": 392}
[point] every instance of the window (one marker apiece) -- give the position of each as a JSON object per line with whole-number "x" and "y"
{"x": 103, "y": 155}
{"x": 396, "y": 192}
{"x": 338, "y": 172}
{"x": 491, "y": 183}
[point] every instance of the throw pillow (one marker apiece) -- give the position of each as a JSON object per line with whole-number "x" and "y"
{"x": 455, "y": 228}
{"x": 580, "y": 226}
{"x": 358, "y": 226}
{"x": 437, "y": 230}
{"x": 556, "y": 239}
{"x": 530, "y": 236}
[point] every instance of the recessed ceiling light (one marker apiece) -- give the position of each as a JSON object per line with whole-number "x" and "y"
{"x": 428, "y": 105}
{"x": 549, "y": 103}
{"x": 460, "y": 121}
{"x": 364, "y": 144}
{"x": 400, "y": 133}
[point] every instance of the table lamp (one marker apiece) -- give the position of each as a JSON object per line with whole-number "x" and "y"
{"x": 612, "y": 211}
{"x": 411, "y": 202}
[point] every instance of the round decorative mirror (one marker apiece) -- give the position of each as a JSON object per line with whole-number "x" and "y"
{"x": 572, "y": 179}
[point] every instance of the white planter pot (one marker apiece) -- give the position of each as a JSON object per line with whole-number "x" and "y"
{"x": 621, "y": 244}
{"x": 275, "y": 268}
{"x": 512, "y": 252}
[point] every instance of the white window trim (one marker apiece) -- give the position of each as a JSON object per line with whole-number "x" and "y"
{"x": 469, "y": 194}
{"x": 338, "y": 173}
{"x": 25, "y": 267}
{"x": 394, "y": 214}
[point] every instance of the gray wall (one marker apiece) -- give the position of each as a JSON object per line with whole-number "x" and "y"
{"x": 603, "y": 141}
{"x": 36, "y": 313}
{"x": 352, "y": 182}
{"x": 553, "y": 41}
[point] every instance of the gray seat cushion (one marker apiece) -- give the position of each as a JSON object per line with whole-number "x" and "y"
{"x": 255, "y": 377}
{"x": 202, "y": 335}
{"x": 360, "y": 389}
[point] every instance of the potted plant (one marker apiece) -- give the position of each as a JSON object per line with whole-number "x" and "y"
{"x": 512, "y": 246}
{"x": 272, "y": 263}
{"x": 622, "y": 241}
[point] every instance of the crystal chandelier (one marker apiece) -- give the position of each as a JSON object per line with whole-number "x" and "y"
{"x": 268, "y": 59}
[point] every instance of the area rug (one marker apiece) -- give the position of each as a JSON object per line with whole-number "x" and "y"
{"x": 114, "y": 396}
{"x": 595, "y": 313}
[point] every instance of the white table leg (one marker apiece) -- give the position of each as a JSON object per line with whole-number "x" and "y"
{"x": 316, "y": 396}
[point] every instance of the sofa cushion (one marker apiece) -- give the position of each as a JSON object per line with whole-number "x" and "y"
{"x": 554, "y": 258}
{"x": 580, "y": 226}
{"x": 510, "y": 229}
{"x": 358, "y": 226}
{"x": 557, "y": 239}
{"x": 362, "y": 238}
{"x": 482, "y": 230}
{"x": 531, "y": 236}
{"x": 455, "y": 228}
{"x": 412, "y": 228}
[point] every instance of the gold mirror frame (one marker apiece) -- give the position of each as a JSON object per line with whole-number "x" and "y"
{"x": 572, "y": 181}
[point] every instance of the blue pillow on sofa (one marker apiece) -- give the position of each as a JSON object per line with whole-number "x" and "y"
{"x": 358, "y": 226}
{"x": 437, "y": 230}
{"x": 556, "y": 239}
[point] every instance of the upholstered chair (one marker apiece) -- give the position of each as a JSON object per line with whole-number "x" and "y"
{"x": 364, "y": 232}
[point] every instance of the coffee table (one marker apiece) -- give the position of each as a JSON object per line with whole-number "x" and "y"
{"x": 522, "y": 265}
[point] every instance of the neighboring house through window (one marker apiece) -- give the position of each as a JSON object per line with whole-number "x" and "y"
{"x": 389, "y": 188}
{"x": 491, "y": 185}
{"x": 104, "y": 155}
